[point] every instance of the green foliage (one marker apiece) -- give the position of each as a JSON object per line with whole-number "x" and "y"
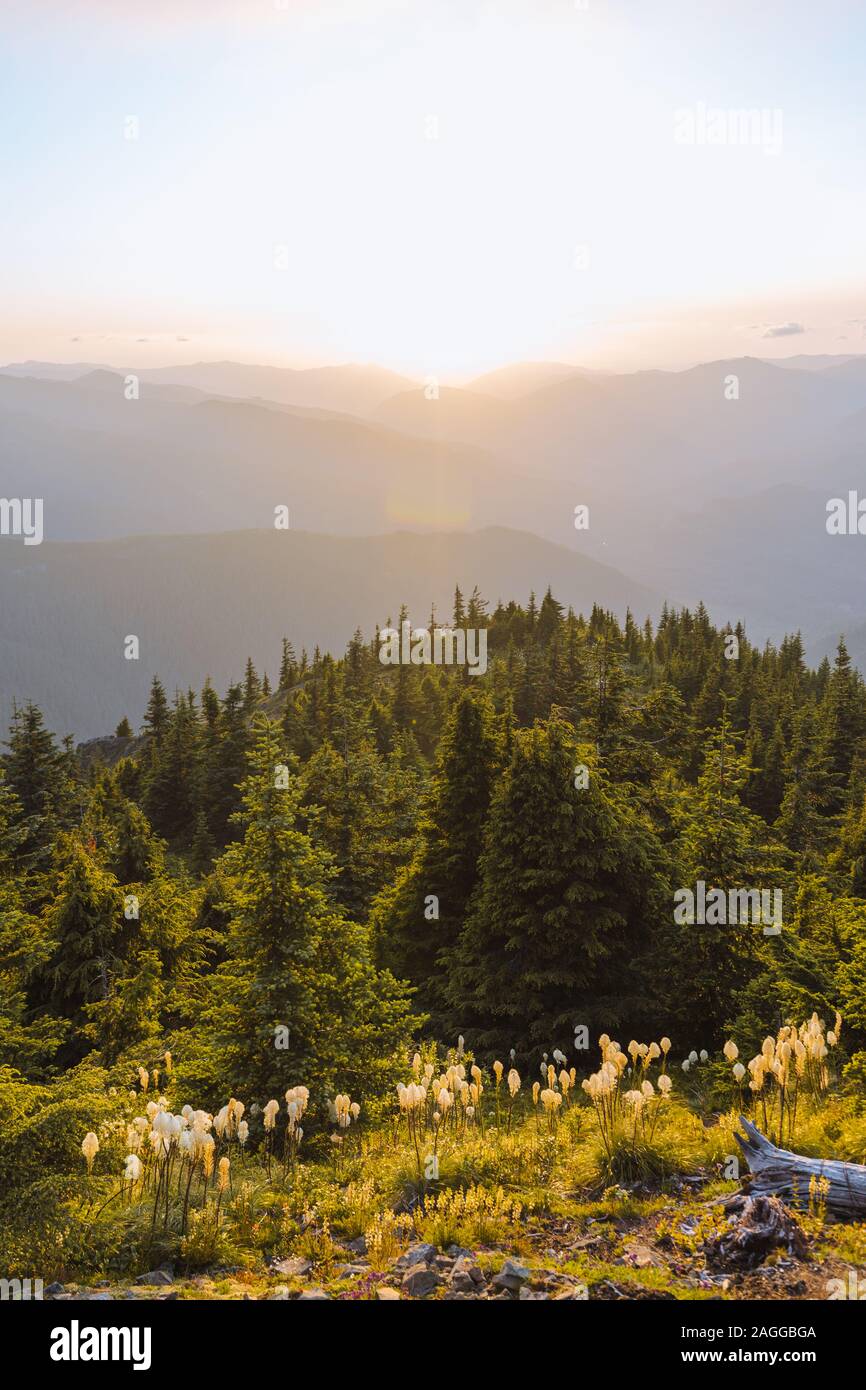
{"x": 431, "y": 853}
{"x": 570, "y": 875}
{"x": 295, "y": 963}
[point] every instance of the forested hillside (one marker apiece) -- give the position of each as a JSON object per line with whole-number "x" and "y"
{"x": 309, "y": 874}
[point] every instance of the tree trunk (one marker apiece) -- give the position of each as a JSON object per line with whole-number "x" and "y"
{"x": 787, "y": 1175}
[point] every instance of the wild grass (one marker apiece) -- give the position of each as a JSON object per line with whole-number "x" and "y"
{"x": 103, "y": 1179}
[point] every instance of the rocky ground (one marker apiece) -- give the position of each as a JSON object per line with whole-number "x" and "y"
{"x": 749, "y": 1249}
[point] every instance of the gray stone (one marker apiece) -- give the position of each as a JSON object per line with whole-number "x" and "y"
{"x": 461, "y": 1283}
{"x": 156, "y": 1276}
{"x": 54, "y": 1289}
{"x": 466, "y": 1277}
{"x": 313, "y": 1296}
{"x": 295, "y": 1267}
{"x": 419, "y": 1282}
{"x": 418, "y": 1254}
{"x": 511, "y": 1276}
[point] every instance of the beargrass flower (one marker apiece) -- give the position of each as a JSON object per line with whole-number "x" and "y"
{"x": 90, "y": 1148}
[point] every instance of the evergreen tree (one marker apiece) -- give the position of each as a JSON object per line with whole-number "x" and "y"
{"x": 569, "y": 882}
{"x": 156, "y": 716}
{"x": 288, "y": 667}
{"x": 294, "y": 962}
{"x": 843, "y": 725}
{"x": 203, "y": 848}
{"x": 726, "y": 847}
{"x": 82, "y": 925}
{"x": 252, "y": 687}
{"x": 37, "y": 777}
{"x": 848, "y": 859}
{"x": 419, "y": 927}
{"x": 172, "y": 785}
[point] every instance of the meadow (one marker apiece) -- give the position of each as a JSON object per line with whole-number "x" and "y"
{"x": 475, "y": 1183}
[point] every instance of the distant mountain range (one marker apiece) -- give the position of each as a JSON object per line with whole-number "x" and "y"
{"x": 200, "y": 604}
{"x": 707, "y": 483}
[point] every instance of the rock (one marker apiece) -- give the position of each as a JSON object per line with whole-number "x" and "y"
{"x": 574, "y": 1293}
{"x": 279, "y": 1294}
{"x": 54, "y": 1289}
{"x": 386, "y": 1294}
{"x": 163, "y": 1275}
{"x": 466, "y": 1277}
{"x": 419, "y": 1282}
{"x": 458, "y": 1252}
{"x": 295, "y": 1267}
{"x": 417, "y": 1254}
{"x": 609, "y": 1291}
{"x": 511, "y": 1276}
{"x": 358, "y": 1246}
{"x": 532, "y": 1295}
{"x": 461, "y": 1283}
{"x": 350, "y": 1271}
{"x": 99, "y": 1298}
{"x": 642, "y": 1257}
{"x": 313, "y": 1296}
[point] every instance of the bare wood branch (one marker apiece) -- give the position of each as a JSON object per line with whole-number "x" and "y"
{"x": 784, "y": 1174}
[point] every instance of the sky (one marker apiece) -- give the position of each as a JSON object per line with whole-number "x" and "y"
{"x": 439, "y": 186}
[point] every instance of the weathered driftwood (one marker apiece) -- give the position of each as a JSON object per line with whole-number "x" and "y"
{"x": 781, "y": 1173}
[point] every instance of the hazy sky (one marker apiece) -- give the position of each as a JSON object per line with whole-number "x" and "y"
{"x": 437, "y": 185}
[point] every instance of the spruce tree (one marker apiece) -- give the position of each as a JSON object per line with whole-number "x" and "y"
{"x": 37, "y": 776}
{"x": 83, "y": 923}
{"x": 570, "y": 882}
{"x": 727, "y": 847}
{"x": 843, "y": 725}
{"x": 295, "y": 963}
{"x": 419, "y": 927}
{"x": 156, "y": 716}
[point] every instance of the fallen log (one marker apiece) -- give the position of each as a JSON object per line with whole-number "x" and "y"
{"x": 778, "y": 1172}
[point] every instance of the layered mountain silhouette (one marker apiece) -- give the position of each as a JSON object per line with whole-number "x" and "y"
{"x": 709, "y": 483}
{"x": 196, "y": 602}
